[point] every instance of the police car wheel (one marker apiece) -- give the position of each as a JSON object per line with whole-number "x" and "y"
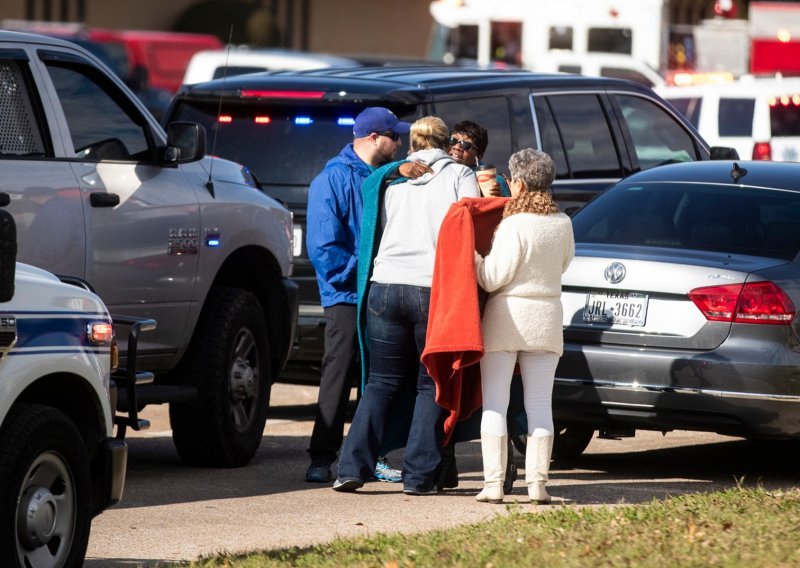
{"x": 45, "y": 489}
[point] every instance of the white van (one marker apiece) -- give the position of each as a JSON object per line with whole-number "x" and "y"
{"x": 216, "y": 63}
{"x": 758, "y": 117}
{"x": 614, "y": 65}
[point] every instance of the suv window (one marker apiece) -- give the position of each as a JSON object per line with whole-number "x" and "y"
{"x": 20, "y": 132}
{"x": 689, "y": 107}
{"x": 281, "y": 144}
{"x": 492, "y": 114}
{"x": 736, "y": 117}
{"x": 99, "y": 127}
{"x": 657, "y": 137}
{"x": 576, "y": 133}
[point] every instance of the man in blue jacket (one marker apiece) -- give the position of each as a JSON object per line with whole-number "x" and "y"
{"x": 333, "y": 227}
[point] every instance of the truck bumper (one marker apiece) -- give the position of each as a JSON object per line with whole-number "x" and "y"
{"x": 305, "y": 362}
{"x": 111, "y": 465}
{"x": 291, "y": 295}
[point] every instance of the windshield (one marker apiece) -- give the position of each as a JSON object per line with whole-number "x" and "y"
{"x": 695, "y": 216}
{"x": 282, "y": 144}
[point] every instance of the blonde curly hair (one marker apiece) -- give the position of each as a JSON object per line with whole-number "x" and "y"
{"x": 538, "y": 171}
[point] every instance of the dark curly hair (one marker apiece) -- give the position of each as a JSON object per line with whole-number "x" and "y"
{"x": 476, "y": 133}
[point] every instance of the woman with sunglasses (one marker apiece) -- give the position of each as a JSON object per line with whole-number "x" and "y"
{"x": 396, "y": 256}
{"x": 468, "y": 142}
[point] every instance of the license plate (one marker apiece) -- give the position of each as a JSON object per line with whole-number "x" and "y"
{"x": 616, "y": 308}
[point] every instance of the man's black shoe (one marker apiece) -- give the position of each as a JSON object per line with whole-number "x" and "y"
{"x": 319, "y": 472}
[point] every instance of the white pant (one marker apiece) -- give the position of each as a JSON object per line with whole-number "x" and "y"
{"x": 538, "y": 373}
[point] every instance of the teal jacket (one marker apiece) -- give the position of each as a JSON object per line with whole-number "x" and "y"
{"x": 372, "y": 191}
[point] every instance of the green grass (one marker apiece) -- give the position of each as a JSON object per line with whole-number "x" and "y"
{"x": 738, "y": 527}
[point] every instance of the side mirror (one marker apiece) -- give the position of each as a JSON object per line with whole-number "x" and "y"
{"x": 8, "y": 255}
{"x": 186, "y": 142}
{"x": 724, "y": 153}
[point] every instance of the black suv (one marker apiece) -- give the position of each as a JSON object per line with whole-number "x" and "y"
{"x": 285, "y": 126}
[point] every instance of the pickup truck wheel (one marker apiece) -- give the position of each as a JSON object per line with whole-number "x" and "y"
{"x": 229, "y": 362}
{"x": 45, "y": 489}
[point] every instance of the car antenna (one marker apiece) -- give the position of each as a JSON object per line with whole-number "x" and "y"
{"x": 737, "y": 172}
{"x": 210, "y": 183}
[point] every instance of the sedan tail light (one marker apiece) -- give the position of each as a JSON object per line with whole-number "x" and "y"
{"x": 754, "y": 302}
{"x": 762, "y": 151}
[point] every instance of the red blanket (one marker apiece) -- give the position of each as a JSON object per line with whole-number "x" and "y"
{"x": 454, "y": 342}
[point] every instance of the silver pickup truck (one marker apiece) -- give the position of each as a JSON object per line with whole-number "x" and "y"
{"x": 159, "y": 230}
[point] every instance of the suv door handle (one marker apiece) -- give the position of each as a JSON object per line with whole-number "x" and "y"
{"x": 99, "y": 199}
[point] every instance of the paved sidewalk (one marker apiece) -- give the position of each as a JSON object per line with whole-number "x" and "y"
{"x": 174, "y": 512}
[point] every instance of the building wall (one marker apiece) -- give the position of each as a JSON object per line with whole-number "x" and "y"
{"x": 396, "y": 28}
{"x": 399, "y": 28}
{"x": 382, "y": 27}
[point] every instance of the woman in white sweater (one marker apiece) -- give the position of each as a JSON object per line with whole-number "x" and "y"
{"x": 522, "y": 320}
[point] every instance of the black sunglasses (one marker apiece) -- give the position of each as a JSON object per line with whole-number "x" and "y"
{"x": 389, "y": 134}
{"x": 465, "y": 145}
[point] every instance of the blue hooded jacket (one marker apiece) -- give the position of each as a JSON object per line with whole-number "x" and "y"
{"x": 333, "y": 226}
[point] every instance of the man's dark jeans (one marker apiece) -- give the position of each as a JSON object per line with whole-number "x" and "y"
{"x": 397, "y": 321}
{"x": 340, "y": 372}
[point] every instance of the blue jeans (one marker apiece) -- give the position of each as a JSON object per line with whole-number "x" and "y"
{"x": 397, "y": 321}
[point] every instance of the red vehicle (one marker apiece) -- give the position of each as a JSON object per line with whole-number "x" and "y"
{"x": 163, "y": 55}
{"x": 774, "y": 38}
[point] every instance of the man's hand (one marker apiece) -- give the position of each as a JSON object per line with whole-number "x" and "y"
{"x": 412, "y": 170}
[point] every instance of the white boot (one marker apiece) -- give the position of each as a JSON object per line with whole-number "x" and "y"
{"x": 537, "y": 467}
{"x": 495, "y": 453}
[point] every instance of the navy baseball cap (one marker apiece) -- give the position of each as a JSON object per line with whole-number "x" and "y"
{"x": 378, "y": 119}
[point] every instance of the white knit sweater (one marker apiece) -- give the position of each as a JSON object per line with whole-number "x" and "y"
{"x": 523, "y": 274}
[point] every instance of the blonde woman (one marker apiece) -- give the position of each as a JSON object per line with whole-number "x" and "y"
{"x": 522, "y": 321}
{"x": 397, "y": 280}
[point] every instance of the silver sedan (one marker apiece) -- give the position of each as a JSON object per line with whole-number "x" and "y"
{"x": 680, "y": 305}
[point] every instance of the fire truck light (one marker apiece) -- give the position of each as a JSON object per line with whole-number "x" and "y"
{"x": 784, "y": 36}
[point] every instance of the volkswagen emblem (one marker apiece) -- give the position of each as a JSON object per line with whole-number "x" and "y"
{"x": 615, "y": 272}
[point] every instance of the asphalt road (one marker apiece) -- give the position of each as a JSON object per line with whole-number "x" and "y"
{"x": 171, "y": 512}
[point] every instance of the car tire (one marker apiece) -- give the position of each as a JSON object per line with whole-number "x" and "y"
{"x": 45, "y": 489}
{"x": 569, "y": 443}
{"x": 228, "y": 361}
{"x": 571, "y": 440}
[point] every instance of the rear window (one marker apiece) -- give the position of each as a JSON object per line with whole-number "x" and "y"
{"x": 281, "y": 144}
{"x": 736, "y": 117}
{"x": 232, "y": 70}
{"x": 784, "y": 119}
{"x": 694, "y": 216}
